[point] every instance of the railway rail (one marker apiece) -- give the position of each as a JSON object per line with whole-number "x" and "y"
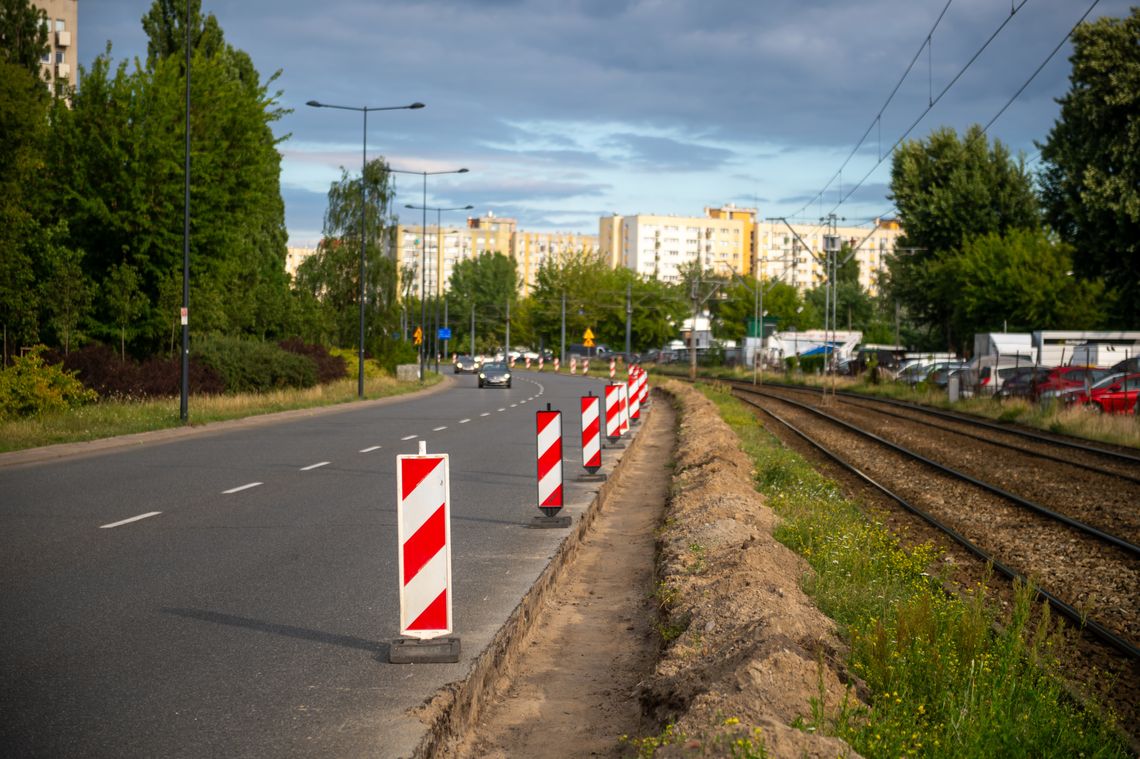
{"x": 1088, "y": 574}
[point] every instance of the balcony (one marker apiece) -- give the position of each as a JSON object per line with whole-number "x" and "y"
{"x": 63, "y": 71}
{"x": 63, "y": 39}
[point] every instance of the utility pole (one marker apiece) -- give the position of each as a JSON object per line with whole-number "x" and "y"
{"x": 628, "y": 318}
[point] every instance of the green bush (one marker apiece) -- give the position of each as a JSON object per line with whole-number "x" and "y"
{"x": 31, "y": 387}
{"x": 249, "y": 366}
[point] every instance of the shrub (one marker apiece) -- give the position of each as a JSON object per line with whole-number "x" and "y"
{"x": 248, "y": 366}
{"x": 329, "y": 367}
{"x": 31, "y": 386}
{"x": 101, "y": 369}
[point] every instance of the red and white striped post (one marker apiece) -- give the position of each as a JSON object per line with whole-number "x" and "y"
{"x": 548, "y": 428}
{"x": 528, "y": 362}
{"x": 585, "y": 366}
{"x": 613, "y": 413}
{"x": 643, "y": 386}
{"x": 634, "y": 397}
{"x": 623, "y": 404}
{"x": 423, "y": 525}
{"x": 591, "y": 433}
{"x": 613, "y": 368}
{"x": 540, "y": 363}
{"x": 556, "y": 362}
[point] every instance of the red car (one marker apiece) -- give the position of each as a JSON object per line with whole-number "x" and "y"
{"x": 1062, "y": 378}
{"x": 1119, "y": 397}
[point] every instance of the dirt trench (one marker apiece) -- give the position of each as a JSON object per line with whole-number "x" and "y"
{"x": 675, "y": 606}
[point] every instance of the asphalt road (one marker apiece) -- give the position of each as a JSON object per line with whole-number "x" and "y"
{"x": 233, "y": 591}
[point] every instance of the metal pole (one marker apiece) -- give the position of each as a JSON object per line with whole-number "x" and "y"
{"x": 445, "y": 323}
{"x": 184, "y": 317}
{"x": 507, "y": 348}
{"x": 472, "y": 330}
{"x": 438, "y": 287}
{"x": 363, "y": 243}
{"x": 757, "y": 319}
{"x": 562, "y": 354}
{"x": 628, "y": 318}
{"x": 693, "y": 336}
{"x": 423, "y": 283}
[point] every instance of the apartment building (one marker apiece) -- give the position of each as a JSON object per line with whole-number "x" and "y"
{"x": 658, "y": 246}
{"x": 447, "y": 246}
{"x": 60, "y": 64}
{"x": 794, "y": 253}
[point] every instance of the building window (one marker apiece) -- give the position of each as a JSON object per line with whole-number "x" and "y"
{"x": 59, "y": 25}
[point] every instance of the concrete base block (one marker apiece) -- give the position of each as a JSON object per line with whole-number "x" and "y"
{"x": 415, "y": 651}
{"x": 596, "y": 477}
{"x": 540, "y": 523}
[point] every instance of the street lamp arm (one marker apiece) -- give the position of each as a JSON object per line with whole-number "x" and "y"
{"x": 366, "y": 108}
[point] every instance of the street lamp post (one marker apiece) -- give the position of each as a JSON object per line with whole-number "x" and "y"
{"x": 423, "y": 248}
{"x": 438, "y": 253}
{"x": 363, "y": 213}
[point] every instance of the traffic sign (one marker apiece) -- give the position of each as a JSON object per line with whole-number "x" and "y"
{"x": 588, "y": 338}
{"x": 418, "y": 336}
{"x": 445, "y": 333}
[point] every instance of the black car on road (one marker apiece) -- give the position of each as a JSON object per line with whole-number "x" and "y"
{"x": 497, "y": 375}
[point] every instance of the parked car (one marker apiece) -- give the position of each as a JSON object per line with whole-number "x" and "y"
{"x": 1023, "y": 383}
{"x": 495, "y": 374}
{"x": 941, "y": 377}
{"x": 985, "y": 375}
{"x": 1119, "y": 397}
{"x": 1082, "y": 394}
{"x": 1065, "y": 377}
{"x": 466, "y": 364}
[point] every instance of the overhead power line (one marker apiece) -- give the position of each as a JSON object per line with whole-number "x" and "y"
{"x": 958, "y": 76}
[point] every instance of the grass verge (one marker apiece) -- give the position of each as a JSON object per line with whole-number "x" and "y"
{"x": 948, "y": 676}
{"x": 111, "y": 418}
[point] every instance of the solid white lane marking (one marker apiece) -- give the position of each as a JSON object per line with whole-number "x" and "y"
{"x": 438, "y": 429}
{"x": 485, "y": 413}
{"x": 464, "y": 421}
{"x": 370, "y": 450}
{"x": 128, "y": 521}
{"x": 239, "y": 489}
{"x": 410, "y": 437}
{"x": 315, "y": 466}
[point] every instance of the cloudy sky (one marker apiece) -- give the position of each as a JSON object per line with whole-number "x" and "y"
{"x": 567, "y": 110}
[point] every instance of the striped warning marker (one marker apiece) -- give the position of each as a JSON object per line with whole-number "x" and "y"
{"x": 556, "y": 362}
{"x": 540, "y": 363}
{"x": 623, "y": 406}
{"x": 643, "y": 385}
{"x": 634, "y": 397}
{"x": 591, "y": 433}
{"x": 549, "y": 429}
{"x": 424, "y": 529}
{"x": 613, "y": 368}
{"x": 613, "y": 413}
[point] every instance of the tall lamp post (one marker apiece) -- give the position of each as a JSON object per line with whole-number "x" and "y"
{"x": 438, "y": 247}
{"x": 423, "y": 234}
{"x": 363, "y": 212}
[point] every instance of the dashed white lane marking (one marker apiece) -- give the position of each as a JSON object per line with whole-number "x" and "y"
{"x": 370, "y": 450}
{"x": 464, "y": 421}
{"x": 409, "y": 437}
{"x": 439, "y": 429}
{"x": 128, "y": 521}
{"x": 514, "y": 405}
{"x": 239, "y": 489}
{"x": 502, "y": 409}
{"x": 315, "y": 466}
{"x": 485, "y": 413}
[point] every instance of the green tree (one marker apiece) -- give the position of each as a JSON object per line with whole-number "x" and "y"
{"x": 947, "y": 190}
{"x": 1020, "y": 281}
{"x": 1091, "y": 180}
{"x": 328, "y": 282}
{"x": 124, "y": 299}
{"x": 66, "y": 292}
{"x": 487, "y": 283}
{"x": 115, "y": 171}
{"x": 23, "y": 35}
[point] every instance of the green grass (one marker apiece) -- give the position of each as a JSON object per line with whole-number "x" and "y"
{"x": 113, "y": 418}
{"x": 949, "y": 676}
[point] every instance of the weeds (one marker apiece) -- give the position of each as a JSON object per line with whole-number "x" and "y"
{"x": 943, "y": 682}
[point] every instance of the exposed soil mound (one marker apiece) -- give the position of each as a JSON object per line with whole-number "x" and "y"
{"x": 746, "y": 647}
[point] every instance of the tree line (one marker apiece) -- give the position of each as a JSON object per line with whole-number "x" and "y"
{"x": 91, "y": 205}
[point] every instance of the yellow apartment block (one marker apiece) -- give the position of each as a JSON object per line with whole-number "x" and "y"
{"x": 448, "y": 246}
{"x": 61, "y": 61}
